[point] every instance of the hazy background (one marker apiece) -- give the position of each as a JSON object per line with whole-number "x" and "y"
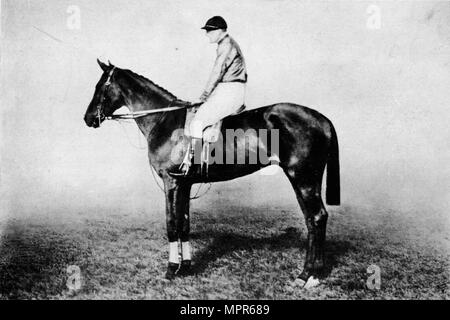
{"x": 386, "y": 90}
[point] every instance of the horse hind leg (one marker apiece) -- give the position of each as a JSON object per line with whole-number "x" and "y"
{"x": 310, "y": 201}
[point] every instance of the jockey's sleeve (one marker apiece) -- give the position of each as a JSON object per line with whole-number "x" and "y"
{"x": 219, "y": 69}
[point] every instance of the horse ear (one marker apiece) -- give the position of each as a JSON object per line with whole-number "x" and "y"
{"x": 102, "y": 65}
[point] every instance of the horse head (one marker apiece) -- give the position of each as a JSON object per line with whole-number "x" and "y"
{"x": 107, "y": 97}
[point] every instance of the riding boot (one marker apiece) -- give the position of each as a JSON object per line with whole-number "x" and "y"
{"x": 186, "y": 168}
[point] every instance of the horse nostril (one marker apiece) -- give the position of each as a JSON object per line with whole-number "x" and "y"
{"x": 89, "y": 119}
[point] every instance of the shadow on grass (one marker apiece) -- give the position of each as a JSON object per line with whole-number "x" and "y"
{"x": 34, "y": 264}
{"x": 226, "y": 242}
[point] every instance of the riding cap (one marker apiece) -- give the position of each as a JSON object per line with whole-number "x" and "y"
{"x": 216, "y": 22}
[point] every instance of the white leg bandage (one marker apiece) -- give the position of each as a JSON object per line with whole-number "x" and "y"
{"x": 173, "y": 252}
{"x": 186, "y": 250}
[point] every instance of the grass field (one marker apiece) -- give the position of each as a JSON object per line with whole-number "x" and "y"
{"x": 240, "y": 252}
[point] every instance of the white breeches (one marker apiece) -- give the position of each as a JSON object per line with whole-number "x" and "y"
{"x": 225, "y": 100}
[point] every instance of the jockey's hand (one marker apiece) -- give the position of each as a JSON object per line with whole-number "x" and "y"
{"x": 202, "y": 98}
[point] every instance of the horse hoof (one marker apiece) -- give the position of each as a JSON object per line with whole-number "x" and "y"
{"x": 185, "y": 268}
{"x": 299, "y": 283}
{"x": 172, "y": 270}
{"x": 311, "y": 283}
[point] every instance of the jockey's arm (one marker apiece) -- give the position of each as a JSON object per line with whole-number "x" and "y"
{"x": 219, "y": 69}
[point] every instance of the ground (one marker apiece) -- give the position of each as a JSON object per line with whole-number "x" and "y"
{"x": 239, "y": 252}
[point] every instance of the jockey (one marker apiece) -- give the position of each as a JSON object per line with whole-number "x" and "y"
{"x": 224, "y": 93}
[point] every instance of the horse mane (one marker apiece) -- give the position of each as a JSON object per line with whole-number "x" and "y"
{"x": 151, "y": 85}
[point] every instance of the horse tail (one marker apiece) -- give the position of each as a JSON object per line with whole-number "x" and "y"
{"x": 333, "y": 192}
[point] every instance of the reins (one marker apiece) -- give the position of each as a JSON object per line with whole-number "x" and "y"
{"x": 140, "y": 114}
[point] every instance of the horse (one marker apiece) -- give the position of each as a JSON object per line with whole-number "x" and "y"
{"x": 307, "y": 145}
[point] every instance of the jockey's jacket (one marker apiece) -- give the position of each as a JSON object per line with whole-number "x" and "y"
{"x": 228, "y": 67}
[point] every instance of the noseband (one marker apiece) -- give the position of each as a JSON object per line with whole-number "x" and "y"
{"x": 100, "y": 113}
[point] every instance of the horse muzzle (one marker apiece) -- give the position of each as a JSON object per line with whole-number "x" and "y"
{"x": 94, "y": 120}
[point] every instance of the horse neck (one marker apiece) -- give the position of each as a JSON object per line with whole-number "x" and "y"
{"x": 141, "y": 95}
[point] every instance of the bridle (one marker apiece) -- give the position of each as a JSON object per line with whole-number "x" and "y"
{"x": 100, "y": 113}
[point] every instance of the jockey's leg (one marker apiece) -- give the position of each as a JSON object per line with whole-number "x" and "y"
{"x": 226, "y": 99}
{"x": 193, "y": 154}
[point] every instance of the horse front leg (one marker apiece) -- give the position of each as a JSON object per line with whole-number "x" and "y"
{"x": 182, "y": 212}
{"x": 171, "y": 226}
{"x": 177, "y": 222}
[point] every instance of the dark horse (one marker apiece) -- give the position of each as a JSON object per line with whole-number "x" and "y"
{"x": 307, "y": 143}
